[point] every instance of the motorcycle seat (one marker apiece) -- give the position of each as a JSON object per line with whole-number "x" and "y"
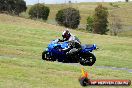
{"x": 87, "y": 46}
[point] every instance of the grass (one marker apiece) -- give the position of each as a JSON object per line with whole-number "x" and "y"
{"x": 31, "y": 73}
{"x": 27, "y": 40}
{"x": 23, "y": 40}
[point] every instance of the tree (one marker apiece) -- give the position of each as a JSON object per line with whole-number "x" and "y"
{"x": 89, "y": 26}
{"x": 13, "y": 6}
{"x": 39, "y": 11}
{"x": 116, "y": 26}
{"x": 60, "y": 17}
{"x": 20, "y": 7}
{"x": 1, "y": 5}
{"x": 5, "y": 5}
{"x": 100, "y": 20}
{"x": 68, "y": 17}
{"x": 127, "y": 0}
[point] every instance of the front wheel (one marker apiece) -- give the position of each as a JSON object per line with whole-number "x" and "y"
{"x": 44, "y": 55}
{"x": 87, "y": 59}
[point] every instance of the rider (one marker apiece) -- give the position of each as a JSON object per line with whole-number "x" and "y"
{"x": 74, "y": 43}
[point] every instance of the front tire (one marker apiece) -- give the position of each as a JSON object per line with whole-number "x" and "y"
{"x": 87, "y": 59}
{"x": 44, "y": 55}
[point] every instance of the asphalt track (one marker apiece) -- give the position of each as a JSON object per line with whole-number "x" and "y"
{"x": 104, "y": 67}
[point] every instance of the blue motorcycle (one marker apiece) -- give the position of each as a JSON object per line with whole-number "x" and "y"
{"x": 55, "y": 52}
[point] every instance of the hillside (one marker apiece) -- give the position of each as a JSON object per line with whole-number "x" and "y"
{"x": 23, "y": 40}
{"x": 124, "y": 10}
{"x": 121, "y": 10}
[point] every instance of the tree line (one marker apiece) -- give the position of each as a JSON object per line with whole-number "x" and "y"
{"x": 68, "y": 17}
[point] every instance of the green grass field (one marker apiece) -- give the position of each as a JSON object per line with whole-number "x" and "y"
{"x": 23, "y": 40}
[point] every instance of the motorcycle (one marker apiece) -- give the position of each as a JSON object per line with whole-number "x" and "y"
{"x": 55, "y": 52}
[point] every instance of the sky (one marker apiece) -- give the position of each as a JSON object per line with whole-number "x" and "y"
{"x": 31, "y": 2}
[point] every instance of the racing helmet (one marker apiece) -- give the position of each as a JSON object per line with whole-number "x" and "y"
{"x": 66, "y": 34}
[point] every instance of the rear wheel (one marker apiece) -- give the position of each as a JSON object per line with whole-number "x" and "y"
{"x": 87, "y": 59}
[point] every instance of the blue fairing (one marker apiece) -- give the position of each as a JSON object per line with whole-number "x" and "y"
{"x": 55, "y": 43}
{"x": 63, "y": 45}
{"x": 88, "y": 48}
{"x": 54, "y": 49}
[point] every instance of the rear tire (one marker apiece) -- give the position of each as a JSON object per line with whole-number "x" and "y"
{"x": 87, "y": 59}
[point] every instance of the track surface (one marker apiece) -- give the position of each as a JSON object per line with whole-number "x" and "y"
{"x": 105, "y": 67}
